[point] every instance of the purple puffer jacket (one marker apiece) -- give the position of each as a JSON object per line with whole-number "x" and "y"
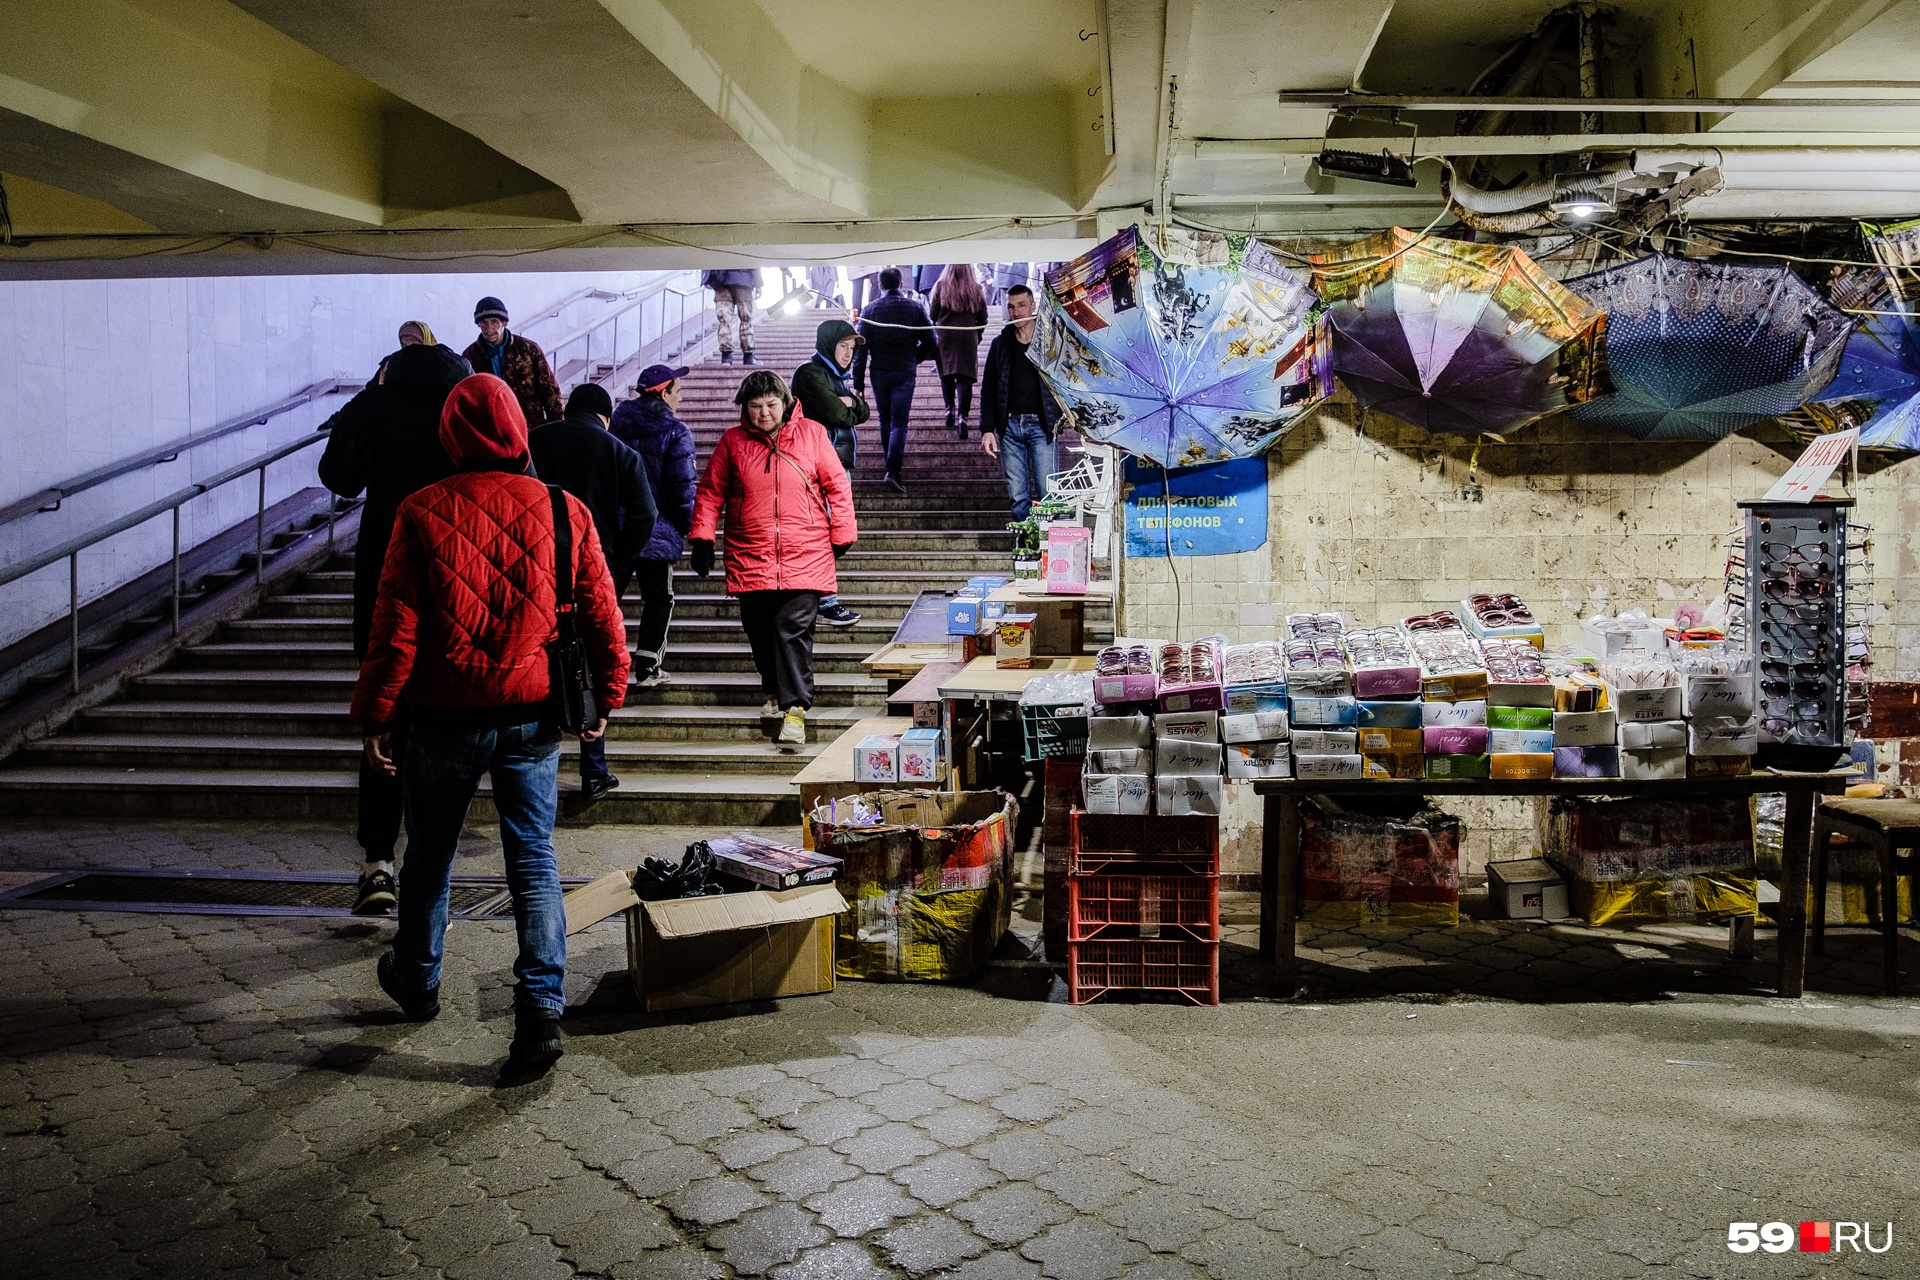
{"x": 666, "y": 445}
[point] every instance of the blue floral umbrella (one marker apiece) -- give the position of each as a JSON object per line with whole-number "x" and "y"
{"x": 1877, "y": 386}
{"x": 1698, "y": 350}
{"x": 1203, "y": 354}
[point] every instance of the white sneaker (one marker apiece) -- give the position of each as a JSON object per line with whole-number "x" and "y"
{"x": 769, "y": 710}
{"x": 653, "y": 681}
{"x": 793, "y": 729}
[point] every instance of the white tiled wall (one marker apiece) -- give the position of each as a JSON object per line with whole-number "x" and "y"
{"x": 92, "y": 371}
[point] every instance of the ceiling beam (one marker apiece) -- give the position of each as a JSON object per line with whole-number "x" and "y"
{"x": 1533, "y": 144}
{"x": 1571, "y": 106}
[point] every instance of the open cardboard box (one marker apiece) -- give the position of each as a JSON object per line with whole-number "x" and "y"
{"x": 725, "y": 949}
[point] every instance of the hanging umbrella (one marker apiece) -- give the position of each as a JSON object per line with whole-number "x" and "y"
{"x": 1877, "y": 385}
{"x": 1458, "y": 337}
{"x": 1698, "y": 350}
{"x": 1202, "y": 354}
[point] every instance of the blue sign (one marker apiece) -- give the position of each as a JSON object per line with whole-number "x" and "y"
{"x": 1217, "y": 509}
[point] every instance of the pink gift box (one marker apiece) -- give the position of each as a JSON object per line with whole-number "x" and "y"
{"x": 1192, "y": 697}
{"x": 1454, "y": 740}
{"x": 1137, "y": 687}
{"x": 1386, "y": 682}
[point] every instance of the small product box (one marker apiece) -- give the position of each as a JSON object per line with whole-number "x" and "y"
{"x": 1586, "y": 762}
{"x": 1326, "y": 711}
{"x": 1113, "y": 733}
{"x": 1379, "y": 766}
{"x": 1655, "y": 765}
{"x": 1443, "y": 768}
{"x": 1182, "y": 795}
{"x": 876, "y": 758}
{"x": 1386, "y": 682}
{"x": 1191, "y": 697}
{"x": 1259, "y": 760}
{"x": 1069, "y": 559}
{"x": 1267, "y": 695}
{"x": 1457, "y": 686}
{"x": 1329, "y": 768}
{"x": 1585, "y": 728}
{"x": 1138, "y": 687}
{"x": 771, "y": 865}
{"x": 1520, "y": 766}
{"x": 1647, "y": 704}
{"x": 1605, "y": 644}
{"x": 1326, "y": 742}
{"x": 1730, "y": 696}
{"x": 1519, "y": 717}
{"x": 1519, "y": 741}
{"x": 1319, "y": 682}
{"x": 1719, "y": 766}
{"x": 1723, "y": 736}
{"x": 1534, "y": 693}
{"x": 1013, "y": 641}
{"x": 923, "y": 757}
{"x": 1395, "y": 742}
{"x": 993, "y": 610}
{"x": 1121, "y": 760}
{"x": 1253, "y": 726}
{"x": 1130, "y": 793}
{"x": 964, "y": 615}
{"x": 989, "y": 582}
{"x": 1186, "y": 758}
{"x": 1391, "y": 713}
{"x": 1470, "y": 713}
{"x": 1651, "y": 735}
{"x": 1454, "y": 740}
{"x": 1195, "y": 726}
{"x": 1527, "y": 889}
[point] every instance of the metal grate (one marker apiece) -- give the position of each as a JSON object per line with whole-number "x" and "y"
{"x": 242, "y": 893}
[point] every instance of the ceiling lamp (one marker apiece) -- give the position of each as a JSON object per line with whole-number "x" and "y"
{"x": 1582, "y": 206}
{"x": 1385, "y": 167}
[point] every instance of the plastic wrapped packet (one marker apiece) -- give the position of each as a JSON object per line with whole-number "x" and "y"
{"x": 1635, "y": 668}
{"x": 1255, "y": 663}
{"x": 1701, "y": 662}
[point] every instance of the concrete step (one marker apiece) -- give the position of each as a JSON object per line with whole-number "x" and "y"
{"x": 332, "y": 605}
{"x": 683, "y": 629}
{"x": 321, "y": 655}
{"x": 119, "y": 753}
{"x": 235, "y": 685}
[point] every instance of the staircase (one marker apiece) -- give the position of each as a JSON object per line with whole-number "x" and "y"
{"x": 254, "y": 724}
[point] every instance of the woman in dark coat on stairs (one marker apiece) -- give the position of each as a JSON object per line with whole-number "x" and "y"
{"x": 959, "y": 311}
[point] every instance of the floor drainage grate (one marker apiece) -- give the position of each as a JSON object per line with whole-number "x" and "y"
{"x": 238, "y": 893}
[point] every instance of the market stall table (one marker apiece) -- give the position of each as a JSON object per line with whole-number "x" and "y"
{"x": 984, "y": 680}
{"x": 1060, "y": 624}
{"x": 1280, "y": 842}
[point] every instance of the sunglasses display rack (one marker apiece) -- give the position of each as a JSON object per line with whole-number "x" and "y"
{"x": 1795, "y": 592}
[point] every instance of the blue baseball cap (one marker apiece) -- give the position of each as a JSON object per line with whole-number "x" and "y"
{"x": 656, "y": 376}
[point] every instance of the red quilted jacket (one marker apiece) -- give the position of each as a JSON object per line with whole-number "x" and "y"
{"x": 466, "y": 604}
{"x": 788, "y": 503}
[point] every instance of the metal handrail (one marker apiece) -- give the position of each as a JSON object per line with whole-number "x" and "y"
{"x": 70, "y": 549}
{"x": 50, "y": 498}
{"x": 667, "y": 332}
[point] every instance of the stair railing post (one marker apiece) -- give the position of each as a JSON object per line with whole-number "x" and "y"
{"x": 260, "y": 532}
{"x": 176, "y": 569}
{"x": 73, "y": 619}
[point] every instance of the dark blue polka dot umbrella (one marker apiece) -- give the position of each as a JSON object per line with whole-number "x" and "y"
{"x": 1698, "y": 350}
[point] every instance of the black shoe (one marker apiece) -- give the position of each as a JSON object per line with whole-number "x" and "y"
{"x": 748, "y": 359}
{"x": 597, "y": 788}
{"x": 895, "y": 483}
{"x": 419, "y": 1006}
{"x": 953, "y": 420}
{"x": 377, "y": 897}
{"x": 536, "y": 1046}
{"x": 838, "y": 615}
{"x": 726, "y": 357}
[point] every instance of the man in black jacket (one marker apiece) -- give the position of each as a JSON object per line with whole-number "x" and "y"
{"x": 386, "y": 441}
{"x": 580, "y": 455}
{"x": 898, "y": 337}
{"x": 1018, "y": 415}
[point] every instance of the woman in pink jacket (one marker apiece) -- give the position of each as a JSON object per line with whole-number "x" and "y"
{"x": 789, "y": 516}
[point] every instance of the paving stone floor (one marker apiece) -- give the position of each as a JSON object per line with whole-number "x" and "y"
{"x": 181, "y": 1095}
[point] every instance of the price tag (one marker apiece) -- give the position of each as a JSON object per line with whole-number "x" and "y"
{"x": 1804, "y": 478}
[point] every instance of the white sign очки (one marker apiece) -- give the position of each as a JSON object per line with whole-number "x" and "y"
{"x": 1804, "y": 478}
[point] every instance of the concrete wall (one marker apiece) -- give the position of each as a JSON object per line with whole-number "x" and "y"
{"x": 1369, "y": 516}
{"x": 92, "y": 371}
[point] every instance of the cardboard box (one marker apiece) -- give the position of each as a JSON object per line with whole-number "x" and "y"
{"x": 876, "y": 758}
{"x": 1253, "y": 726}
{"x": 1719, "y": 766}
{"x": 1527, "y": 889}
{"x": 1469, "y": 712}
{"x": 1195, "y": 726}
{"x": 1069, "y": 559}
{"x": 1113, "y": 733}
{"x": 1259, "y": 760}
{"x": 1130, "y": 793}
{"x": 1520, "y": 766}
{"x": 1325, "y": 742}
{"x": 1312, "y": 711}
{"x": 1386, "y": 682}
{"x": 964, "y": 615}
{"x": 1393, "y": 742}
{"x": 1530, "y": 694}
{"x": 733, "y": 947}
{"x": 1647, "y": 704}
{"x": 1731, "y": 696}
{"x": 1186, "y": 758}
{"x": 1320, "y": 682}
{"x": 1585, "y": 728}
{"x": 1452, "y": 767}
{"x": 993, "y": 610}
{"x": 1454, "y": 740}
{"x": 1461, "y": 686}
{"x": 1396, "y": 713}
{"x": 1520, "y": 741}
{"x": 1519, "y": 717}
{"x": 1267, "y": 695}
{"x": 1723, "y": 736}
{"x": 1121, "y": 760}
{"x": 1639, "y": 735}
{"x": 1013, "y": 641}
{"x": 1605, "y": 644}
{"x": 1654, "y": 765}
{"x": 989, "y": 582}
{"x": 770, "y": 864}
{"x": 1586, "y": 762}
{"x": 1191, "y": 697}
{"x": 922, "y": 757}
{"x": 1377, "y": 766}
{"x": 1329, "y": 768}
{"x": 1181, "y": 795}
{"x": 1139, "y": 687}
{"x": 1580, "y": 692}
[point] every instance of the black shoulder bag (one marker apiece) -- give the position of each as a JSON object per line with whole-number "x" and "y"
{"x": 571, "y": 677}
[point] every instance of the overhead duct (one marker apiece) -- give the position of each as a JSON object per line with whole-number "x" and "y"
{"x": 1525, "y": 207}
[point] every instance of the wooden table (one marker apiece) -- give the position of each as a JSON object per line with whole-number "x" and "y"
{"x": 1060, "y": 622}
{"x": 1280, "y": 843}
{"x": 829, "y": 775}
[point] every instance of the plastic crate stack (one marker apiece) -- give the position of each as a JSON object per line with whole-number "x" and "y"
{"x": 1143, "y": 907}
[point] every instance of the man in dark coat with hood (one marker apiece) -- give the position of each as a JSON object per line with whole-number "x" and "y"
{"x": 386, "y": 441}
{"x": 580, "y": 455}
{"x": 820, "y": 385}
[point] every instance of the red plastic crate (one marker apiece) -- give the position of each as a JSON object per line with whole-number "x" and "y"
{"x": 1122, "y": 906}
{"x": 1104, "y": 841}
{"x": 1148, "y": 966}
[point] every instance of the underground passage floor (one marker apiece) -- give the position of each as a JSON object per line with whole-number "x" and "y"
{"x": 192, "y": 1094}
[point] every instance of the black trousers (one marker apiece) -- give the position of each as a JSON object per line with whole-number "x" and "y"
{"x": 957, "y": 386}
{"x": 378, "y": 829}
{"x": 779, "y": 626}
{"x": 655, "y": 580}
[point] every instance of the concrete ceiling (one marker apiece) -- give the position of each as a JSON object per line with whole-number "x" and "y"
{"x": 284, "y": 135}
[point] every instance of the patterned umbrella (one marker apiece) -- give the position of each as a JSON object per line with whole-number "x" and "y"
{"x": 1698, "y": 350}
{"x": 1458, "y": 337}
{"x": 1207, "y": 352}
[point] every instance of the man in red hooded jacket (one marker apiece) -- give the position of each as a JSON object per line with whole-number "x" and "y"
{"x": 465, "y": 613}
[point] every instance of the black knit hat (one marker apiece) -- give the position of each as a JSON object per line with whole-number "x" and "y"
{"x": 489, "y": 307}
{"x": 590, "y": 397}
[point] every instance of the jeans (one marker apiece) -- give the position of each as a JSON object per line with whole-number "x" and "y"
{"x": 593, "y": 761}
{"x": 846, "y": 444}
{"x": 893, "y": 398}
{"x": 1028, "y": 456}
{"x": 378, "y": 830}
{"x": 443, "y": 769}
{"x": 779, "y": 626}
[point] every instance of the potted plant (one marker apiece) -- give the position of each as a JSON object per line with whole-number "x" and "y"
{"x": 1026, "y": 547}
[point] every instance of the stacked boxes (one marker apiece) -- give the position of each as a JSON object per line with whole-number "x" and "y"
{"x": 1635, "y": 861}
{"x": 1721, "y": 700}
{"x": 1365, "y": 867}
{"x": 1647, "y": 701}
{"x": 1143, "y": 912}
